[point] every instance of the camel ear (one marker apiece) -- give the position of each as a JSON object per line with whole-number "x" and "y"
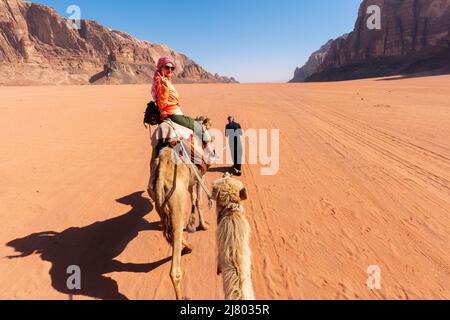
{"x": 243, "y": 194}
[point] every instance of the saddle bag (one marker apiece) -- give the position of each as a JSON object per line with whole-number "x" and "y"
{"x": 152, "y": 114}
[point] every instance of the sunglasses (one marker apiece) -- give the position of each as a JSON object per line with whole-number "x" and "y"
{"x": 169, "y": 68}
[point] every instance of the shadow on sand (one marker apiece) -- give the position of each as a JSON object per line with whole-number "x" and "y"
{"x": 93, "y": 248}
{"x": 221, "y": 169}
{"x": 416, "y": 75}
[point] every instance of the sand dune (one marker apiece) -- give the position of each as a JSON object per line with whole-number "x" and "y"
{"x": 364, "y": 180}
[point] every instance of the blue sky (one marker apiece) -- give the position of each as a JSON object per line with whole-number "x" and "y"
{"x": 252, "y": 40}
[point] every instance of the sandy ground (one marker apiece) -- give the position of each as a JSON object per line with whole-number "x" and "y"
{"x": 364, "y": 180}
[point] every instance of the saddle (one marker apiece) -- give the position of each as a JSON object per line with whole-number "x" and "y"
{"x": 171, "y": 134}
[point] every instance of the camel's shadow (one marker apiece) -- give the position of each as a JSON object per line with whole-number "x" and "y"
{"x": 92, "y": 248}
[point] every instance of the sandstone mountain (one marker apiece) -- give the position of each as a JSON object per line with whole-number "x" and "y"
{"x": 414, "y": 38}
{"x": 314, "y": 62}
{"x": 37, "y": 46}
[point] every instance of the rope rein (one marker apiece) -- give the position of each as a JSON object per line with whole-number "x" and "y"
{"x": 170, "y": 194}
{"x": 199, "y": 179}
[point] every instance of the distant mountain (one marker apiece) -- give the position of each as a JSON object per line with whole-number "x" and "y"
{"x": 37, "y": 46}
{"x": 313, "y": 63}
{"x": 414, "y": 38}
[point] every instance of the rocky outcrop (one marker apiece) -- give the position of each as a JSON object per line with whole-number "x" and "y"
{"x": 414, "y": 38}
{"x": 313, "y": 63}
{"x": 37, "y": 46}
{"x": 225, "y": 79}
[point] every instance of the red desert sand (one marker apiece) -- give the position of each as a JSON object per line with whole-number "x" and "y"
{"x": 364, "y": 180}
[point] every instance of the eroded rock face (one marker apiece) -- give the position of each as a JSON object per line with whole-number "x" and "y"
{"x": 314, "y": 62}
{"x": 37, "y": 46}
{"x": 414, "y": 37}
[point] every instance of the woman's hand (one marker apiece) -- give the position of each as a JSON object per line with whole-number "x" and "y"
{"x": 164, "y": 81}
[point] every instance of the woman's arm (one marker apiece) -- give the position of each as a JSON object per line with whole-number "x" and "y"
{"x": 162, "y": 92}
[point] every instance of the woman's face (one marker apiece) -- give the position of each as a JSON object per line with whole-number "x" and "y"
{"x": 168, "y": 70}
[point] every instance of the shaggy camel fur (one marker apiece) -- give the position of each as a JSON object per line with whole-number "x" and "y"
{"x": 233, "y": 239}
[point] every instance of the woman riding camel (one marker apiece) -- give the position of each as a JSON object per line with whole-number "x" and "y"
{"x": 166, "y": 97}
{"x": 168, "y": 100}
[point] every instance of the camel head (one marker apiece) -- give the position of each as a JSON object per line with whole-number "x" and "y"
{"x": 205, "y": 121}
{"x": 229, "y": 191}
{"x": 207, "y": 125}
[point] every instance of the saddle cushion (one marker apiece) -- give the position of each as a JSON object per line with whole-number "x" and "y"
{"x": 169, "y": 130}
{"x": 172, "y": 131}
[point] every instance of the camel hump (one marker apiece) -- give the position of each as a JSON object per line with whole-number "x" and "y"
{"x": 169, "y": 131}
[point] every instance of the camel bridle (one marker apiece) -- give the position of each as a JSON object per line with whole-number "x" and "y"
{"x": 184, "y": 156}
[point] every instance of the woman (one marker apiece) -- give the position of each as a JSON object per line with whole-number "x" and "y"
{"x": 168, "y": 100}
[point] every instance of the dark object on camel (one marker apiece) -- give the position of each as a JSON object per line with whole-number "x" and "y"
{"x": 152, "y": 115}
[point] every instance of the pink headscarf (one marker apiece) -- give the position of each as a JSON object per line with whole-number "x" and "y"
{"x": 161, "y": 63}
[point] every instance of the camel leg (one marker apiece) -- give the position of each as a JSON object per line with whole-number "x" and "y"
{"x": 204, "y": 225}
{"x": 175, "y": 271}
{"x": 191, "y": 223}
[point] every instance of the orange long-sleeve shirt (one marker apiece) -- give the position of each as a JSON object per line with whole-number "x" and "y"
{"x": 167, "y": 98}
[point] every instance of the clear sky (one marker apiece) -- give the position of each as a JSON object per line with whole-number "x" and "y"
{"x": 251, "y": 40}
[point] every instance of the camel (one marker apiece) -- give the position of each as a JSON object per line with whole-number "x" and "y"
{"x": 165, "y": 135}
{"x": 233, "y": 239}
{"x": 172, "y": 180}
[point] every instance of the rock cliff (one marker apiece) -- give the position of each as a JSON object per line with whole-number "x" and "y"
{"x": 37, "y": 46}
{"x": 414, "y": 38}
